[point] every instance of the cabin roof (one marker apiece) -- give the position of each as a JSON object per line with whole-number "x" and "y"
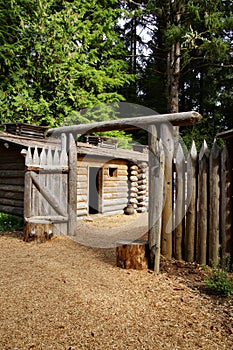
{"x": 82, "y": 148}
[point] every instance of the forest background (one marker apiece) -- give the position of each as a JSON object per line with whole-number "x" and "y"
{"x": 59, "y": 59}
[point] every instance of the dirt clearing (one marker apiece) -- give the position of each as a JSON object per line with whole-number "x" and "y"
{"x": 62, "y": 295}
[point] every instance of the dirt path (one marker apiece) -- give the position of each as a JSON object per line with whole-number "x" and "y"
{"x": 105, "y": 232}
{"x": 62, "y": 295}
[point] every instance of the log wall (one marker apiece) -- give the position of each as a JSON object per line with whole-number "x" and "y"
{"x": 11, "y": 180}
{"x": 113, "y": 185}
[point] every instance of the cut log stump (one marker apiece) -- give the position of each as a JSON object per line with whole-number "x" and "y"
{"x": 132, "y": 254}
{"x": 39, "y": 232}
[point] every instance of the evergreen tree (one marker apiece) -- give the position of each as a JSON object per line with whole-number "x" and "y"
{"x": 190, "y": 61}
{"x": 58, "y": 57}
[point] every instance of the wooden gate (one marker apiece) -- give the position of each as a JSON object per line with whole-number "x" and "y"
{"x": 50, "y": 190}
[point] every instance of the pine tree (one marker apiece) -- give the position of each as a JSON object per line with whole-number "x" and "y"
{"x": 58, "y": 57}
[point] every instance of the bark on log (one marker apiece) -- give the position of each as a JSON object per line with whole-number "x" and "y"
{"x": 191, "y": 214}
{"x": 39, "y": 232}
{"x": 176, "y": 119}
{"x": 132, "y": 254}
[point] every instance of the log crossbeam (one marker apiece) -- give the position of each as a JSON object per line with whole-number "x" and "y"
{"x": 176, "y": 119}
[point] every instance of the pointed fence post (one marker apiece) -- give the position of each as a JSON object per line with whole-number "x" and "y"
{"x": 167, "y": 137}
{"x": 226, "y": 205}
{"x": 179, "y": 203}
{"x": 191, "y": 214}
{"x": 214, "y": 194}
{"x": 202, "y": 225}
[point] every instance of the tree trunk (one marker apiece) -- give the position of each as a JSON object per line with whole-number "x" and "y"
{"x": 132, "y": 255}
{"x": 39, "y": 232}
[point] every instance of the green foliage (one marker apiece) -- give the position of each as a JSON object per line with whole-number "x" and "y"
{"x": 58, "y": 57}
{"x": 220, "y": 283}
{"x": 204, "y": 31}
{"x": 10, "y": 222}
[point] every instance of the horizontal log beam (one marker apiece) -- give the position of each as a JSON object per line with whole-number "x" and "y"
{"x": 11, "y": 210}
{"x": 176, "y": 119}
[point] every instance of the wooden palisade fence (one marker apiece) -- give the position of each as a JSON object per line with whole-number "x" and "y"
{"x": 202, "y": 205}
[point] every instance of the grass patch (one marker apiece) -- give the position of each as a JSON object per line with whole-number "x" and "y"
{"x": 10, "y": 222}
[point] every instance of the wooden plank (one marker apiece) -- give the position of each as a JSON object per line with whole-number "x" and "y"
{"x": 46, "y": 169}
{"x": 72, "y": 185}
{"x": 53, "y": 219}
{"x": 191, "y": 212}
{"x": 214, "y": 193}
{"x": 47, "y": 194}
{"x": 176, "y": 119}
{"x": 179, "y": 203}
{"x": 202, "y": 220}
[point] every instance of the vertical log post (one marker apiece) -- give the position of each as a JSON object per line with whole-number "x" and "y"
{"x": 156, "y": 171}
{"x": 167, "y": 137}
{"x": 179, "y": 204}
{"x": 72, "y": 186}
{"x": 214, "y": 206}
{"x": 27, "y": 202}
{"x": 191, "y": 214}
{"x": 226, "y": 205}
{"x": 153, "y": 165}
{"x": 202, "y": 227}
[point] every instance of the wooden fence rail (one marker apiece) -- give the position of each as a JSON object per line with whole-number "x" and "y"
{"x": 202, "y": 205}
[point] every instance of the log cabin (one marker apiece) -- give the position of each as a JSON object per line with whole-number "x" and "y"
{"x": 108, "y": 177}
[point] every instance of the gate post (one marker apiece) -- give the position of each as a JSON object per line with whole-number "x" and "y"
{"x": 72, "y": 186}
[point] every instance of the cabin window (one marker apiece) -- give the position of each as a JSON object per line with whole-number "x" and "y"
{"x": 112, "y": 172}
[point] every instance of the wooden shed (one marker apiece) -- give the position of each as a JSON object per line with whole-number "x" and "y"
{"x": 107, "y": 178}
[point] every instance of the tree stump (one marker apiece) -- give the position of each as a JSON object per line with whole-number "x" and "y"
{"x": 38, "y": 231}
{"x": 132, "y": 254}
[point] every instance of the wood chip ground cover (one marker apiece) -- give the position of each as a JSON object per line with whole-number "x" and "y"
{"x": 62, "y": 295}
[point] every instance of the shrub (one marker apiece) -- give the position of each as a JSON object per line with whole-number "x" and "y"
{"x": 220, "y": 283}
{"x": 10, "y": 222}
